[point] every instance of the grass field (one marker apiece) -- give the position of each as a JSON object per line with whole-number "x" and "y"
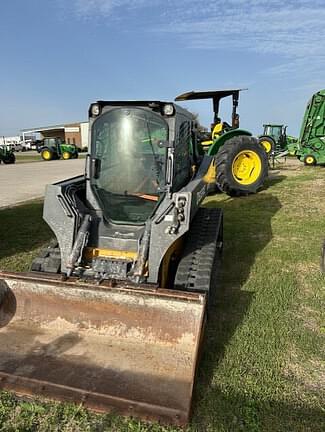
{"x": 263, "y": 365}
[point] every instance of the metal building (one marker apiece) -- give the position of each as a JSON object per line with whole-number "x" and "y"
{"x": 71, "y": 133}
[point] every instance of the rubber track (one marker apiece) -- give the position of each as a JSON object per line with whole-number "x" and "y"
{"x": 49, "y": 259}
{"x": 198, "y": 267}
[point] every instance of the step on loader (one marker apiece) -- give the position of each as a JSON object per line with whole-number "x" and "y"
{"x": 113, "y": 312}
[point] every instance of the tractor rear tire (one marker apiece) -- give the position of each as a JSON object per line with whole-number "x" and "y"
{"x": 267, "y": 143}
{"x": 47, "y": 154}
{"x": 200, "y": 263}
{"x": 242, "y": 166}
{"x": 322, "y": 259}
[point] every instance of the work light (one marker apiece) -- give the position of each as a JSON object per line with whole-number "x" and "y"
{"x": 95, "y": 110}
{"x": 168, "y": 109}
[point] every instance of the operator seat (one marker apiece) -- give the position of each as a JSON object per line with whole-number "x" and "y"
{"x": 217, "y": 129}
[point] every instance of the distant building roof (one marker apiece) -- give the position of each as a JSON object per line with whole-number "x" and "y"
{"x": 53, "y": 127}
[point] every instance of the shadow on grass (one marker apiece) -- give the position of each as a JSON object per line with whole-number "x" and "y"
{"x": 274, "y": 179}
{"x": 247, "y": 231}
{"x": 236, "y": 412}
{"x": 22, "y": 229}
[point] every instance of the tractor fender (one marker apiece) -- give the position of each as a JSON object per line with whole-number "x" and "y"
{"x": 214, "y": 148}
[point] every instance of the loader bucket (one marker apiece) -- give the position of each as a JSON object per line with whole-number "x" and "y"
{"x": 130, "y": 349}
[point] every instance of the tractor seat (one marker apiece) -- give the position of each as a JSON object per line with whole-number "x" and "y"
{"x": 217, "y": 130}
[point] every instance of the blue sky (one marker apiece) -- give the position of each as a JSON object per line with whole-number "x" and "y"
{"x": 57, "y": 56}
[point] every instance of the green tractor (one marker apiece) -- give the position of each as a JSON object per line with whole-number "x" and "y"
{"x": 241, "y": 162}
{"x": 275, "y": 139}
{"x": 54, "y": 148}
{"x": 310, "y": 147}
{"x": 7, "y": 156}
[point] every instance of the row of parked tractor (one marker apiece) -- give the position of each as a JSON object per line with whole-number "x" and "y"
{"x": 308, "y": 148}
{"x": 49, "y": 149}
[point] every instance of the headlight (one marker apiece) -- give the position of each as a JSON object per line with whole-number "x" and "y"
{"x": 95, "y": 110}
{"x": 168, "y": 109}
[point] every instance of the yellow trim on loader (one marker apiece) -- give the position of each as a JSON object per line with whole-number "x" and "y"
{"x": 211, "y": 174}
{"x": 109, "y": 253}
{"x": 246, "y": 167}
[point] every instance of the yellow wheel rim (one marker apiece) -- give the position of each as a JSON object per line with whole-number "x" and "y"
{"x": 66, "y": 155}
{"x": 309, "y": 160}
{"x": 267, "y": 146}
{"x": 46, "y": 155}
{"x": 247, "y": 167}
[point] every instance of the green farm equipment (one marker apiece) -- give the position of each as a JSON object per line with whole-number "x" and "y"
{"x": 276, "y": 143}
{"x": 54, "y": 148}
{"x": 310, "y": 147}
{"x": 113, "y": 313}
{"x": 241, "y": 162}
{"x": 275, "y": 139}
{"x": 7, "y": 156}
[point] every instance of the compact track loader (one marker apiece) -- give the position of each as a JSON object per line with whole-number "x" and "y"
{"x": 112, "y": 314}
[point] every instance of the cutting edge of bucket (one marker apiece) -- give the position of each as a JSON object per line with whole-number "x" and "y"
{"x": 106, "y": 285}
